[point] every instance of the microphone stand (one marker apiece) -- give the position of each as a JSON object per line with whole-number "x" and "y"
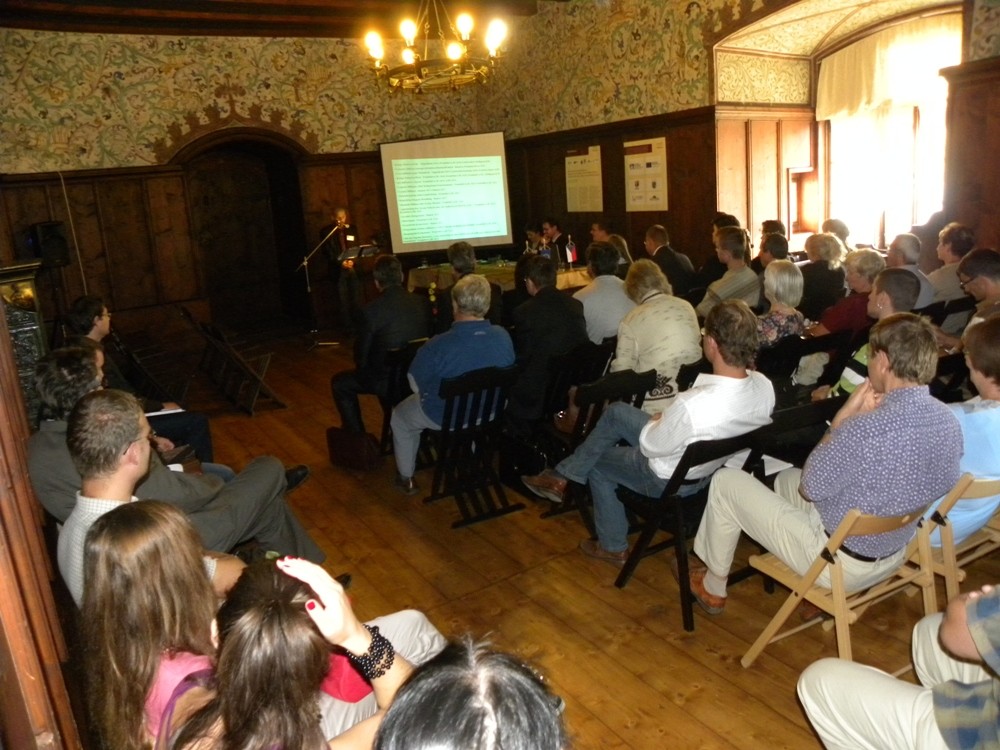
{"x": 314, "y": 333}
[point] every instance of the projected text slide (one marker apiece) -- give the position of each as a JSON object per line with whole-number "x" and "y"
{"x": 456, "y": 198}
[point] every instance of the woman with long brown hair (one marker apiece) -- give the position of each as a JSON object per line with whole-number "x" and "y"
{"x": 147, "y": 611}
{"x": 275, "y": 630}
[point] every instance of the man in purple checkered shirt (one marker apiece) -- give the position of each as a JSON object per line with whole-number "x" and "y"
{"x": 891, "y": 449}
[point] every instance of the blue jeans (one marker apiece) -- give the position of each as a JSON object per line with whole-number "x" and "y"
{"x": 604, "y": 464}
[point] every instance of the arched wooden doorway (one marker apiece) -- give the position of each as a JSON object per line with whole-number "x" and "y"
{"x": 246, "y": 221}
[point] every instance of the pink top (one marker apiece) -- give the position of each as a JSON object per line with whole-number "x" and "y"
{"x": 171, "y": 671}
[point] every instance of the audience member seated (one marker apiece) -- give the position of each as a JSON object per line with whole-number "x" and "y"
{"x": 979, "y": 418}
{"x": 389, "y": 321}
{"x": 894, "y": 291}
{"x": 904, "y": 252}
{"x": 713, "y": 268}
{"x": 604, "y": 300}
{"x": 89, "y": 317}
{"x": 851, "y": 312}
{"x": 837, "y": 228}
{"x": 103, "y": 452}
{"x": 783, "y": 290}
{"x": 956, "y": 657}
{"x": 738, "y": 282}
{"x": 275, "y": 630}
{"x": 765, "y": 256}
{"x": 891, "y": 449}
{"x": 822, "y": 276}
{"x": 978, "y": 275}
{"x": 512, "y": 298}
{"x": 470, "y": 344}
{"x": 549, "y": 324}
{"x": 470, "y": 696}
{"x": 625, "y": 257}
{"x": 677, "y": 267}
{"x": 955, "y": 241}
{"x": 462, "y": 257}
{"x": 661, "y": 334}
{"x": 730, "y": 401}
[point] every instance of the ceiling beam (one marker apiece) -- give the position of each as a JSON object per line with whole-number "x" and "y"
{"x": 347, "y": 19}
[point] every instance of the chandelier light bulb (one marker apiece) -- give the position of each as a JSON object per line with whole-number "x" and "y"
{"x": 455, "y": 51}
{"x": 464, "y": 25}
{"x": 496, "y": 32}
{"x": 409, "y": 56}
{"x": 373, "y": 40}
{"x": 409, "y": 31}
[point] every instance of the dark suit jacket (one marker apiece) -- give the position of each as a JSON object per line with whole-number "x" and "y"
{"x": 547, "y": 325}
{"x": 333, "y": 247}
{"x": 389, "y": 321}
{"x": 822, "y": 287}
{"x": 677, "y": 267}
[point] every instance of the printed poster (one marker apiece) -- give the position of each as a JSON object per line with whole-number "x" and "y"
{"x": 584, "y": 189}
{"x": 646, "y": 175}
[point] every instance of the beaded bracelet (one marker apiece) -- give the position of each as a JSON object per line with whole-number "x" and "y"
{"x": 378, "y": 659}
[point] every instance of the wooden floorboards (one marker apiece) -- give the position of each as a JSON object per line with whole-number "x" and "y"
{"x": 631, "y": 677}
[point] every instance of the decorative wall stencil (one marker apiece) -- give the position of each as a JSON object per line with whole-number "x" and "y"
{"x": 78, "y": 101}
{"x": 762, "y": 79}
{"x": 985, "y": 38}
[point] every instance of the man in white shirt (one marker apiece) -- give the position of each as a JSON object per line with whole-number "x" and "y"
{"x": 730, "y": 401}
{"x": 604, "y": 300}
{"x": 108, "y": 438}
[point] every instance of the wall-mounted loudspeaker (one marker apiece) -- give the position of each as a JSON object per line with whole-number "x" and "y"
{"x": 47, "y": 241}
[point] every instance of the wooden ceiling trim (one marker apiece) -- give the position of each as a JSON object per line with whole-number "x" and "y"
{"x": 348, "y": 19}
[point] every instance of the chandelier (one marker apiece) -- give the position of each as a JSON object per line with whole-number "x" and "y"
{"x": 446, "y": 61}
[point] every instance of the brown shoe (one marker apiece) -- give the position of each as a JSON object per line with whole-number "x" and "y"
{"x": 714, "y": 605}
{"x": 592, "y": 548}
{"x": 406, "y": 485}
{"x": 550, "y": 485}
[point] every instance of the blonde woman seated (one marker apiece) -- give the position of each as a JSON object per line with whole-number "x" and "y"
{"x": 661, "y": 333}
{"x": 851, "y": 313}
{"x": 822, "y": 276}
{"x": 783, "y": 289}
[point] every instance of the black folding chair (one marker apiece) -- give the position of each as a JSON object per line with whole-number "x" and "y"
{"x": 467, "y": 442}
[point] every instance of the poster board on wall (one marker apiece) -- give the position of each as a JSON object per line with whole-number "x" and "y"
{"x": 584, "y": 186}
{"x": 646, "y": 175}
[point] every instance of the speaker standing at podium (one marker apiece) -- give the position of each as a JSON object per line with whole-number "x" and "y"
{"x": 340, "y": 254}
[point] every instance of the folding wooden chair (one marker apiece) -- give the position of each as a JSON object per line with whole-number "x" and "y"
{"x": 467, "y": 442}
{"x": 949, "y": 560}
{"x": 836, "y": 601}
{"x": 677, "y": 515}
{"x": 625, "y": 386}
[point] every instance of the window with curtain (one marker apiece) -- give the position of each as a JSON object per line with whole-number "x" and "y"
{"x": 886, "y": 103}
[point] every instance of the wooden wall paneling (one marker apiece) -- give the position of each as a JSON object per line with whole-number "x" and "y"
{"x": 691, "y": 179}
{"x": 764, "y": 182}
{"x": 6, "y": 234}
{"x": 177, "y": 266}
{"x": 972, "y": 163}
{"x": 88, "y": 248}
{"x": 366, "y": 200}
{"x": 126, "y": 234}
{"x": 25, "y": 205}
{"x": 732, "y": 174}
{"x": 36, "y": 710}
{"x": 537, "y": 176}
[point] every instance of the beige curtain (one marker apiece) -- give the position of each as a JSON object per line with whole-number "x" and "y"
{"x": 885, "y": 100}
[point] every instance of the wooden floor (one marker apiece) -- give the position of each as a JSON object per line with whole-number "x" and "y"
{"x": 631, "y": 677}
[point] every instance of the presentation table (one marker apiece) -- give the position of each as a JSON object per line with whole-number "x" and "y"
{"x": 503, "y": 275}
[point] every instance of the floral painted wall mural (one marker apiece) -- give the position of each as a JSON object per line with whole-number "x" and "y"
{"x": 80, "y": 101}
{"x": 985, "y": 37}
